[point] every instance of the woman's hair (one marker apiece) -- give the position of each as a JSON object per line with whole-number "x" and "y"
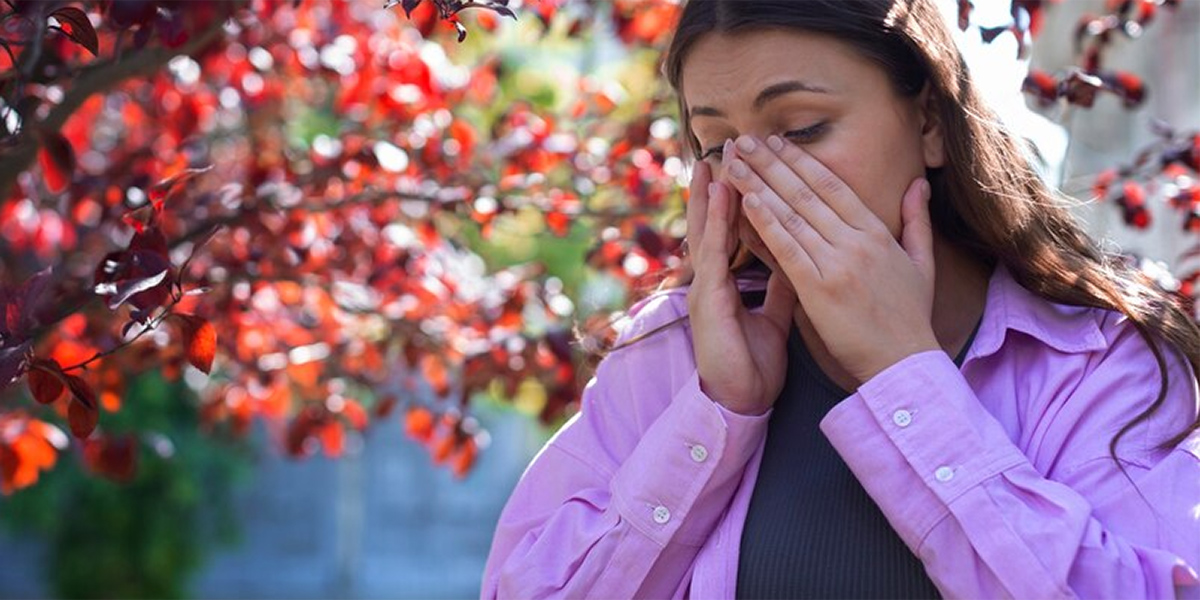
{"x": 987, "y": 200}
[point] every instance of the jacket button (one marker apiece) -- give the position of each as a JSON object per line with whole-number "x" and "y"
{"x": 944, "y": 474}
{"x": 661, "y": 515}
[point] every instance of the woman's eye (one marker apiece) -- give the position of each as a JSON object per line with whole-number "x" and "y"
{"x": 800, "y": 136}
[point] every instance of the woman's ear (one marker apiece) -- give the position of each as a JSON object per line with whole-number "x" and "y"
{"x": 933, "y": 143}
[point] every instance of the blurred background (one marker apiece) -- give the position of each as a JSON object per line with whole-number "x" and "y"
{"x": 295, "y": 290}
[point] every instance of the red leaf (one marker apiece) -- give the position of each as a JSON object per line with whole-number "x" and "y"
{"x": 114, "y": 458}
{"x": 44, "y": 381}
{"x": 559, "y": 223}
{"x": 81, "y": 390}
{"x": 83, "y": 419}
{"x": 333, "y": 438}
{"x": 464, "y": 458}
{"x": 1041, "y": 85}
{"x": 354, "y": 413}
{"x": 1080, "y": 88}
{"x": 57, "y": 159}
{"x": 123, "y": 290}
{"x": 78, "y": 27}
{"x": 434, "y": 369}
{"x": 199, "y": 341}
{"x": 418, "y": 423}
{"x": 384, "y": 407}
{"x": 964, "y": 14}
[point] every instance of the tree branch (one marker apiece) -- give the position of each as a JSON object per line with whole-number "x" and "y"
{"x": 94, "y": 79}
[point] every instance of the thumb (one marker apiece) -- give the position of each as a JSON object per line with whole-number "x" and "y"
{"x": 917, "y": 235}
{"x": 781, "y": 301}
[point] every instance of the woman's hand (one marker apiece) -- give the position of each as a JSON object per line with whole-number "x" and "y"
{"x": 869, "y": 297}
{"x": 741, "y": 356}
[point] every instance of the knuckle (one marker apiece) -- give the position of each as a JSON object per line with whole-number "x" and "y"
{"x": 826, "y": 181}
{"x": 793, "y": 222}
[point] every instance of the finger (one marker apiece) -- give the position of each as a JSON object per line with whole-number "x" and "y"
{"x": 789, "y": 250}
{"x": 697, "y": 205}
{"x": 814, "y": 244}
{"x": 917, "y": 235}
{"x": 712, "y": 259}
{"x": 768, "y": 175}
{"x": 780, "y": 302}
{"x": 826, "y": 184}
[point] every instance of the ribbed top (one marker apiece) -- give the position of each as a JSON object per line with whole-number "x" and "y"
{"x": 811, "y": 530}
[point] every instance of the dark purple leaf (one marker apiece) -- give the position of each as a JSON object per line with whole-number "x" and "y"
{"x": 78, "y": 27}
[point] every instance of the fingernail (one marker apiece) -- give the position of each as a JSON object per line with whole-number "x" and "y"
{"x": 751, "y": 200}
{"x": 775, "y": 143}
{"x": 728, "y": 148}
{"x": 926, "y": 190}
{"x": 745, "y": 144}
{"x": 738, "y": 168}
{"x": 712, "y": 189}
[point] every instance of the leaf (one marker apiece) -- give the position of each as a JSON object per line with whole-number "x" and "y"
{"x": 418, "y": 423}
{"x": 45, "y": 381}
{"x": 113, "y": 458}
{"x": 199, "y": 341}
{"x": 125, "y": 289}
{"x": 464, "y": 458}
{"x": 384, "y": 407}
{"x": 78, "y": 27}
{"x": 22, "y": 304}
{"x": 434, "y": 369}
{"x": 558, "y": 222}
{"x": 14, "y": 360}
{"x": 964, "y": 14}
{"x": 83, "y": 419}
{"x": 8, "y": 49}
{"x": 355, "y": 414}
{"x": 81, "y": 390}
{"x": 1080, "y": 88}
{"x": 57, "y": 158}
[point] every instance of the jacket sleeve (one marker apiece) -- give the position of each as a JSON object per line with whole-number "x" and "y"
{"x": 619, "y": 501}
{"x": 989, "y": 521}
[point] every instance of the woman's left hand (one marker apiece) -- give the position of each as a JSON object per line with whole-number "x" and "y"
{"x": 869, "y": 297}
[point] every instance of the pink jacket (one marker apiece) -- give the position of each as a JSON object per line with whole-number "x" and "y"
{"x": 997, "y": 476}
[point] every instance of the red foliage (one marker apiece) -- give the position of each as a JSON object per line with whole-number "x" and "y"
{"x": 291, "y": 192}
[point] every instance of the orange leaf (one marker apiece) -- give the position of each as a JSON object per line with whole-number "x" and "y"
{"x": 83, "y": 419}
{"x": 355, "y": 414}
{"x": 435, "y": 373}
{"x": 333, "y": 438}
{"x": 443, "y": 447}
{"x": 199, "y": 341}
{"x": 464, "y": 459}
{"x": 418, "y": 423}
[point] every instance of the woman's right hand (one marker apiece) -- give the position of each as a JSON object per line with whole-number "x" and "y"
{"x": 741, "y": 355}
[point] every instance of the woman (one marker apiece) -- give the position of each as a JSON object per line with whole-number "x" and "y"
{"x": 945, "y": 389}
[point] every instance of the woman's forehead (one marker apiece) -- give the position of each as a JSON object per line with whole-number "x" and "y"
{"x": 723, "y": 68}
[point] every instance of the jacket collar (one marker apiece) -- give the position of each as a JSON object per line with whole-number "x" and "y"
{"x": 1010, "y": 306}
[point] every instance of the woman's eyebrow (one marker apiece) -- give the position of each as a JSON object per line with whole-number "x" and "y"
{"x": 766, "y": 95}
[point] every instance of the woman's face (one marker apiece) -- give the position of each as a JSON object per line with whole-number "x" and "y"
{"x": 819, "y": 93}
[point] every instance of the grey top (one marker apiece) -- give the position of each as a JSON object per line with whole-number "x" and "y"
{"x": 811, "y": 530}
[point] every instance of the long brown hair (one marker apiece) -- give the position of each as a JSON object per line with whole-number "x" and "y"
{"x": 987, "y": 200}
